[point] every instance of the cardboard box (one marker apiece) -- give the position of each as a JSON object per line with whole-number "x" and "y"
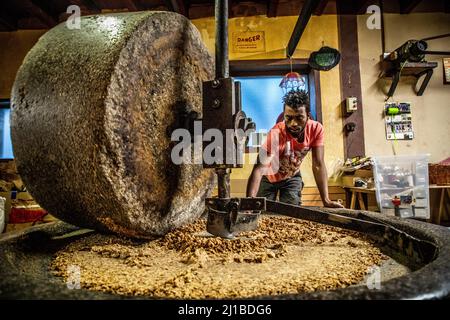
{"x": 2, "y": 214}
{"x": 20, "y": 226}
{"x": 24, "y": 196}
{"x": 364, "y": 173}
{"x": 7, "y": 207}
{"x": 348, "y": 181}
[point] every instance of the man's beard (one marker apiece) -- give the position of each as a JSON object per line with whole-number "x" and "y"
{"x": 297, "y": 134}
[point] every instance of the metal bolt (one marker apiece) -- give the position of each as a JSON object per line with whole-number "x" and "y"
{"x": 234, "y": 205}
{"x": 215, "y": 84}
{"x": 258, "y": 203}
{"x": 216, "y": 103}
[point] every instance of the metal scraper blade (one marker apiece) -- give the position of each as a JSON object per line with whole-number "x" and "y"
{"x": 227, "y": 225}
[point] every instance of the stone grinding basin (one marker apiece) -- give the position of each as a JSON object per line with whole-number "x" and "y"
{"x": 25, "y": 259}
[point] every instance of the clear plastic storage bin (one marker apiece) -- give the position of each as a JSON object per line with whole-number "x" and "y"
{"x": 401, "y": 184}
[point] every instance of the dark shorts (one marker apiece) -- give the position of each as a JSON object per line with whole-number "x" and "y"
{"x": 289, "y": 190}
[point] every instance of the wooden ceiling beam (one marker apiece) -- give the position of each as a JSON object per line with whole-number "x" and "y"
{"x": 86, "y": 6}
{"x": 91, "y": 5}
{"x": 41, "y": 14}
{"x": 406, "y": 6}
{"x": 321, "y": 7}
{"x": 132, "y": 5}
{"x": 363, "y": 5}
{"x": 94, "y": 3}
{"x": 272, "y": 8}
{"x": 8, "y": 22}
{"x": 177, "y": 6}
{"x": 230, "y": 8}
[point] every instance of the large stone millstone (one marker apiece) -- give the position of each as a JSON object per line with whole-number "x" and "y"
{"x": 92, "y": 113}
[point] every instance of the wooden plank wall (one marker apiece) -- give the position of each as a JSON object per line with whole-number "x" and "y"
{"x": 310, "y": 195}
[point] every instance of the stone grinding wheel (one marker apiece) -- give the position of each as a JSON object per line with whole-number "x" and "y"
{"x": 92, "y": 112}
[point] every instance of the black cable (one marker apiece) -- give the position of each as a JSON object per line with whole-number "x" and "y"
{"x": 436, "y": 37}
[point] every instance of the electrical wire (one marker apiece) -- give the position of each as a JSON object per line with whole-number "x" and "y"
{"x": 395, "y": 142}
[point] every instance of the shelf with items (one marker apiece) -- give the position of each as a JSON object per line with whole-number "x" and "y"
{"x": 395, "y": 70}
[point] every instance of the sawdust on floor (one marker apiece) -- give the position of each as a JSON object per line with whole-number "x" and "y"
{"x": 284, "y": 255}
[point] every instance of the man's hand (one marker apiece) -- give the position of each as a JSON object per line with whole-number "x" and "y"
{"x": 321, "y": 177}
{"x": 332, "y": 204}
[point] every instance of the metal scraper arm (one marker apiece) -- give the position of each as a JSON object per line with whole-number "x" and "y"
{"x": 382, "y": 232}
{"x": 317, "y": 215}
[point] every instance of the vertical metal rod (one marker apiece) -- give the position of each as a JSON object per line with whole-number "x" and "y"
{"x": 383, "y": 31}
{"x": 222, "y": 64}
{"x": 223, "y": 181}
{"x": 222, "y": 71}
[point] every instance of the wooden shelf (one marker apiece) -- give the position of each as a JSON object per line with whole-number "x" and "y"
{"x": 394, "y": 70}
{"x": 409, "y": 69}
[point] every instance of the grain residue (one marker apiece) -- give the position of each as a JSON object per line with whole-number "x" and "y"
{"x": 284, "y": 255}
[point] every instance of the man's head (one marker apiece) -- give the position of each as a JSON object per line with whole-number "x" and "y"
{"x": 296, "y": 111}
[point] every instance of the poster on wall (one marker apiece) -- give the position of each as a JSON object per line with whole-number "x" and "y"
{"x": 248, "y": 41}
{"x": 446, "y": 64}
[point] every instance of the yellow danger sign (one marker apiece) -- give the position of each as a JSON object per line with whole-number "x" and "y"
{"x": 248, "y": 41}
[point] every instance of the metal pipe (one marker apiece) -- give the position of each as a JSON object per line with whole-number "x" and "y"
{"x": 222, "y": 71}
{"x": 437, "y": 37}
{"x": 223, "y": 182}
{"x": 383, "y": 34}
{"x": 441, "y": 53}
{"x": 222, "y": 64}
{"x": 308, "y": 7}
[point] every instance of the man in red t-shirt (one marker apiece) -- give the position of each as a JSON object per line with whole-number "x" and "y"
{"x": 288, "y": 142}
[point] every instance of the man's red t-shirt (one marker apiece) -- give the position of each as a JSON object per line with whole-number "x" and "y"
{"x": 287, "y": 151}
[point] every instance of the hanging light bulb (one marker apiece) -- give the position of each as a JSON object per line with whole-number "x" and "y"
{"x": 292, "y": 81}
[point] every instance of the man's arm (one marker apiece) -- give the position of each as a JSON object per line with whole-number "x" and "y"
{"x": 321, "y": 177}
{"x": 255, "y": 179}
{"x": 259, "y": 169}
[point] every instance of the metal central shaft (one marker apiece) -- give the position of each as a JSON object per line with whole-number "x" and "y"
{"x": 222, "y": 71}
{"x": 222, "y": 65}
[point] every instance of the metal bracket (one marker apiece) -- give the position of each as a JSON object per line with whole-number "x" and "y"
{"x": 395, "y": 80}
{"x": 424, "y": 84}
{"x": 395, "y": 70}
{"x": 228, "y": 217}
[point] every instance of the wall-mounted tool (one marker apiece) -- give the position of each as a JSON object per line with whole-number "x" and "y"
{"x": 409, "y": 60}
